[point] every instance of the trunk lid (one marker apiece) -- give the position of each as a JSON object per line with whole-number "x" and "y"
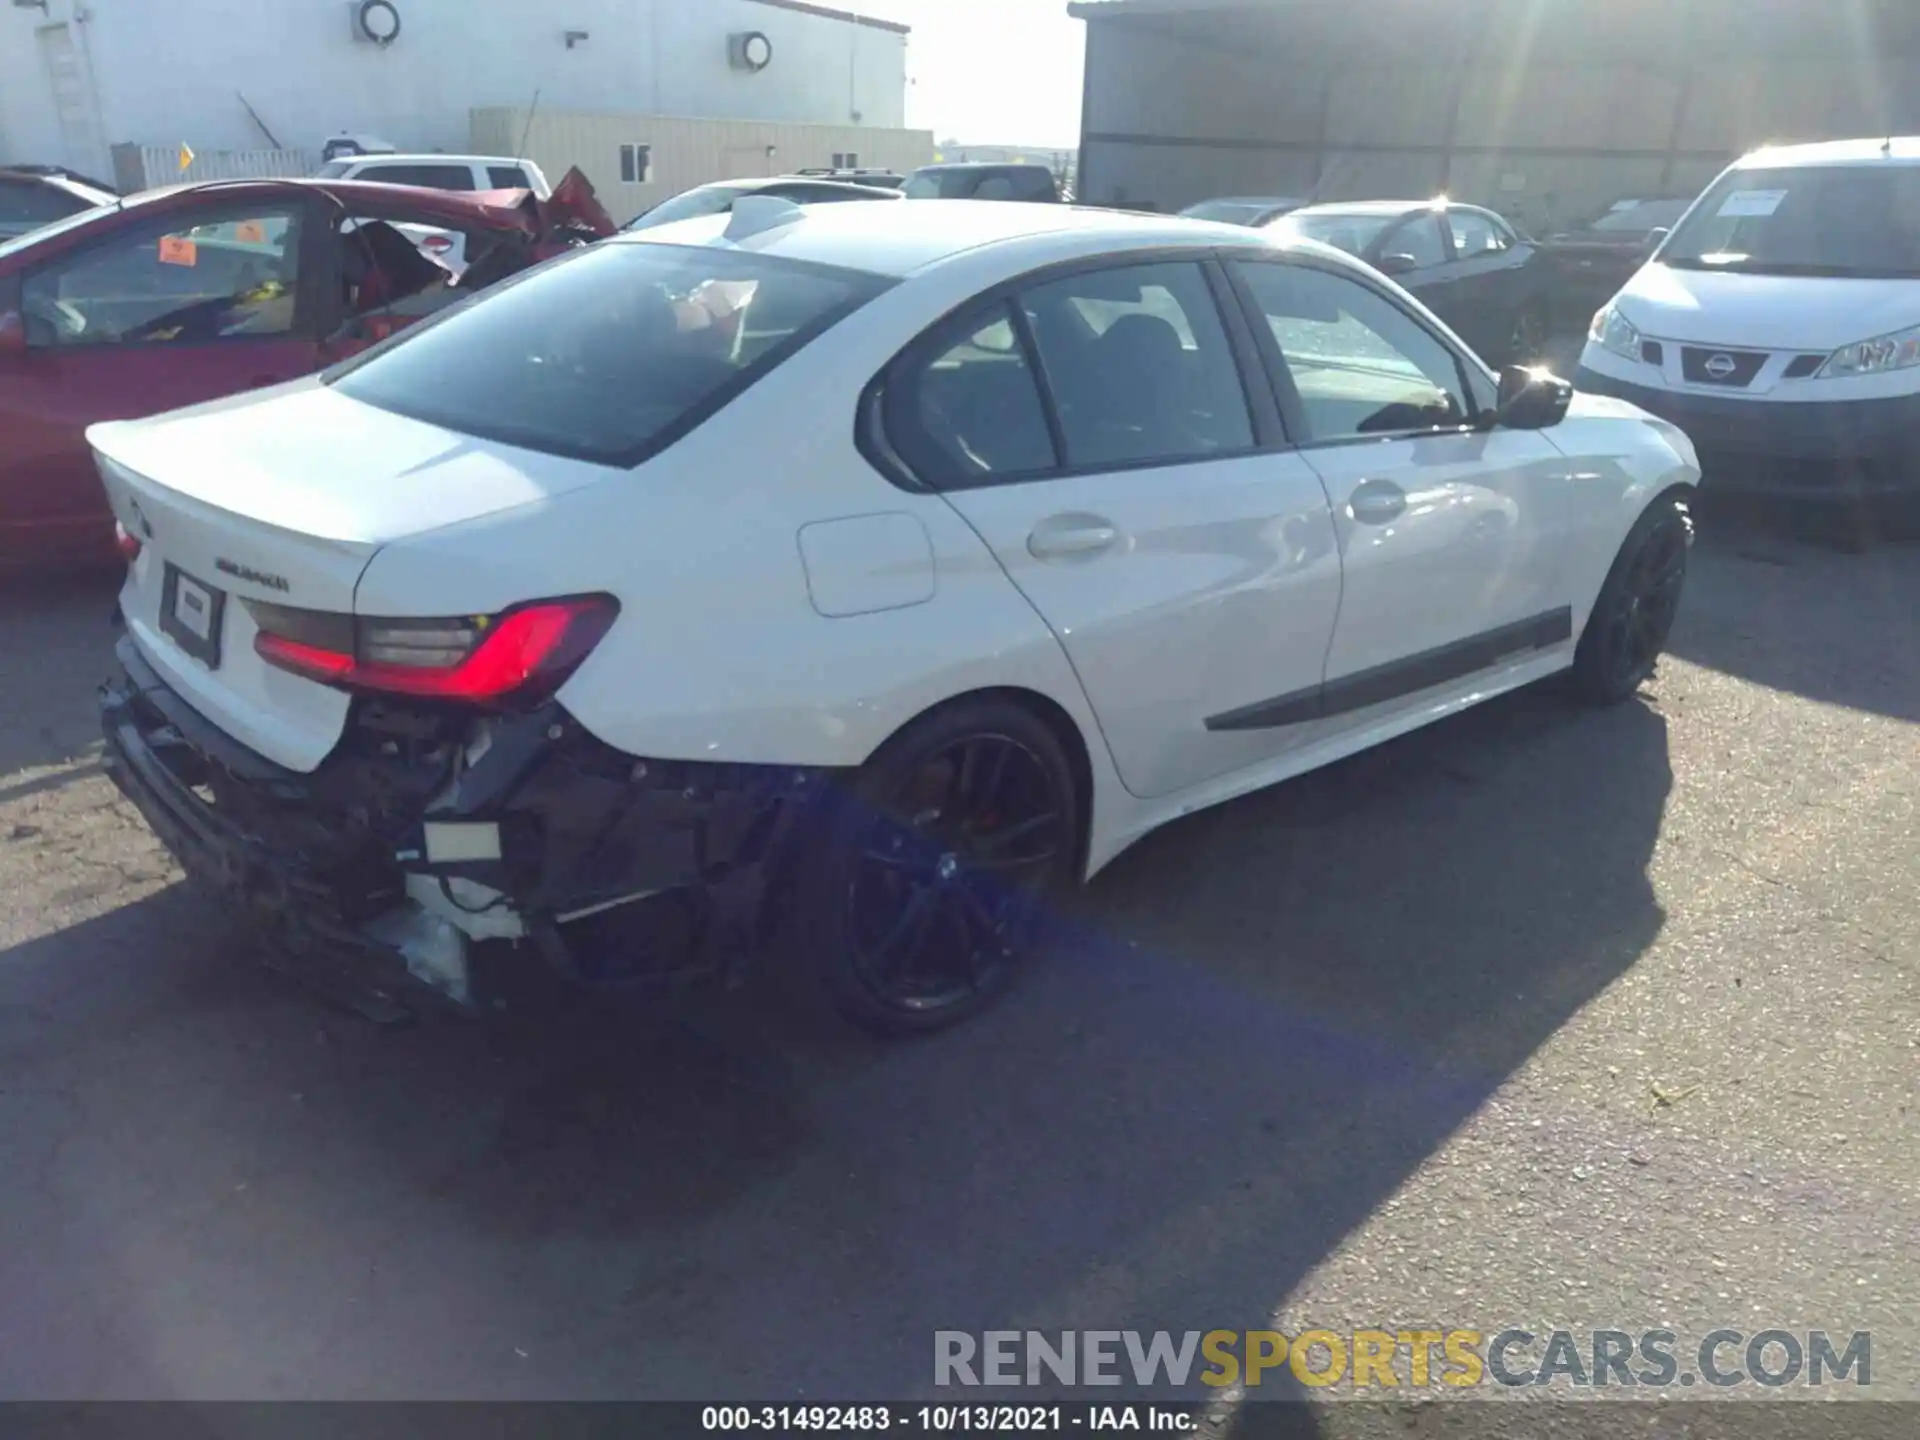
{"x": 284, "y": 496}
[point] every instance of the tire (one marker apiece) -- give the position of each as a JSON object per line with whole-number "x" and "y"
{"x": 918, "y": 900}
{"x": 1634, "y": 611}
{"x": 1527, "y": 342}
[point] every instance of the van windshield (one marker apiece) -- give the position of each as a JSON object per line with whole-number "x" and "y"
{"x": 608, "y": 353}
{"x": 1849, "y": 221}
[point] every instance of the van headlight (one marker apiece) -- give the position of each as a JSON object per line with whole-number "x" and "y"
{"x": 1899, "y": 351}
{"x": 1612, "y": 331}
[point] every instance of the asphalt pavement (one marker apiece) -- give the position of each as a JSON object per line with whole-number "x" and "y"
{"x": 1540, "y": 1016}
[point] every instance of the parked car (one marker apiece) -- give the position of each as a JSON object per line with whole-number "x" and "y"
{"x": 747, "y": 565}
{"x": 1588, "y": 263}
{"x": 434, "y": 171}
{"x": 1469, "y": 265}
{"x": 718, "y": 197}
{"x": 32, "y": 198}
{"x": 441, "y": 172}
{"x": 176, "y": 296}
{"x": 885, "y": 179}
{"x": 982, "y": 180}
{"x": 1779, "y": 324}
{"x": 1243, "y": 209}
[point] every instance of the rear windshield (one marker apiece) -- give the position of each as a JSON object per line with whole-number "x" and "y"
{"x": 1851, "y": 221}
{"x": 609, "y": 353}
{"x": 1640, "y": 217}
{"x": 1233, "y": 212}
{"x": 1009, "y": 183}
{"x": 707, "y": 200}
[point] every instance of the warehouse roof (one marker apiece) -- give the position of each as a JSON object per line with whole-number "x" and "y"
{"x": 826, "y": 12}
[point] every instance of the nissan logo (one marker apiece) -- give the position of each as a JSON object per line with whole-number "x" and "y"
{"x": 1719, "y": 367}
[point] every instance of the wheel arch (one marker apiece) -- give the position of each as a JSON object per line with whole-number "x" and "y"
{"x": 1064, "y": 728}
{"x": 1043, "y": 707}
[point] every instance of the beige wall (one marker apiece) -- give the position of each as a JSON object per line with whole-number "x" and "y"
{"x": 686, "y": 152}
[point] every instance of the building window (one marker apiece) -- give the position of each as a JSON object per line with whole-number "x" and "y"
{"x": 849, "y": 160}
{"x": 636, "y": 164}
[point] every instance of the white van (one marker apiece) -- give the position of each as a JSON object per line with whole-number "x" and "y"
{"x": 1779, "y": 324}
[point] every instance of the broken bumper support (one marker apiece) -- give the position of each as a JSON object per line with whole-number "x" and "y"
{"x": 522, "y": 824}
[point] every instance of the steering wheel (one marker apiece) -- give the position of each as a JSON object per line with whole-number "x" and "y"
{"x": 67, "y": 320}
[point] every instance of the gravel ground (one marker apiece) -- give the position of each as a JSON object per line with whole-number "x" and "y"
{"x": 1541, "y": 1016}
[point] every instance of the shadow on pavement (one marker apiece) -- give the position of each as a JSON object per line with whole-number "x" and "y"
{"x": 1255, "y": 1026}
{"x": 1764, "y": 604}
{"x": 45, "y": 623}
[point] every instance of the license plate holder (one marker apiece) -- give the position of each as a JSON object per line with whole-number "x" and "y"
{"x": 192, "y": 613}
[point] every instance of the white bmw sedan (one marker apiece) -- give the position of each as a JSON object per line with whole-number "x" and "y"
{"x": 853, "y": 576}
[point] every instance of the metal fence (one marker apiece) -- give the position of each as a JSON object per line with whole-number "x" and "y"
{"x": 141, "y": 167}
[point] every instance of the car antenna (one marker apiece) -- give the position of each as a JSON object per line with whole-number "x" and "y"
{"x": 526, "y": 129}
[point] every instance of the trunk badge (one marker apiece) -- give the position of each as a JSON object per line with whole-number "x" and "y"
{"x": 247, "y": 572}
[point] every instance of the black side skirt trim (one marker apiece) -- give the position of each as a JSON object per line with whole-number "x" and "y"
{"x": 1402, "y": 677}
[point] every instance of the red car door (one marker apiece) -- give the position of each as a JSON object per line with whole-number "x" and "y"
{"x": 158, "y": 313}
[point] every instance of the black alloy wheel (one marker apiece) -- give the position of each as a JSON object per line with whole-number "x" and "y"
{"x": 1636, "y": 607}
{"x": 929, "y": 892}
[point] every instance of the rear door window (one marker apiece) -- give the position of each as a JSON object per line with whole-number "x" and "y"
{"x": 25, "y": 203}
{"x": 612, "y": 352}
{"x": 1139, "y": 366}
{"x": 430, "y": 177}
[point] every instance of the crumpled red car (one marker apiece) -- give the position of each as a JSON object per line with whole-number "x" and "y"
{"x": 187, "y": 294}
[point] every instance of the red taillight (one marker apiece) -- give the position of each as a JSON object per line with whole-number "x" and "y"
{"x": 126, "y": 542}
{"x": 482, "y": 659}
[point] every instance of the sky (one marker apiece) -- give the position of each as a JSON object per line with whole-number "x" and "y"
{"x": 989, "y": 72}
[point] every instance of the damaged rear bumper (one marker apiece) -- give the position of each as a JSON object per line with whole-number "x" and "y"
{"x": 430, "y": 828}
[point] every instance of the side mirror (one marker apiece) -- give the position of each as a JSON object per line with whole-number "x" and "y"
{"x": 1655, "y": 239}
{"x": 1397, "y": 264}
{"x": 1531, "y": 398}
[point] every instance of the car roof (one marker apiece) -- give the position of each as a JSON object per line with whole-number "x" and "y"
{"x": 827, "y": 182}
{"x": 68, "y": 184}
{"x": 1373, "y": 207}
{"x": 412, "y": 158}
{"x": 1881, "y": 150}
{"x": 490, "y": 208}
{"x": 900, "y": 240}
{"x": 1247, "y": 200}
{"x": 954, "y": 165}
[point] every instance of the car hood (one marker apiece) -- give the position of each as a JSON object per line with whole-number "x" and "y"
{"x": 305, "y": 459}
{"x": 1765, "y": 312}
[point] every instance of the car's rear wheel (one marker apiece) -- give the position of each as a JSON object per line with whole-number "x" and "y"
{"x": 1635, "y": 610}
{"x": 922, "y": 899}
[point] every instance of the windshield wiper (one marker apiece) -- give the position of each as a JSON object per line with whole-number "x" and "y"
{"x": 1812, "y": 271}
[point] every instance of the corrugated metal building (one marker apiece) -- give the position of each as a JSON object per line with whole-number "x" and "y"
{"x": 1545, "y": 109}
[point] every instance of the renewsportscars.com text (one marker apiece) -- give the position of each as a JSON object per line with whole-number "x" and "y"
{"x": 1391, "y": 1359}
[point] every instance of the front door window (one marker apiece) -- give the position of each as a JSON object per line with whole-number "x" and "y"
{"x": 237, "y": 276}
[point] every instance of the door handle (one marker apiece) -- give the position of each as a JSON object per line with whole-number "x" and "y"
{"x": 1066, "y": 537}
{"x": 1375, "y": 502}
